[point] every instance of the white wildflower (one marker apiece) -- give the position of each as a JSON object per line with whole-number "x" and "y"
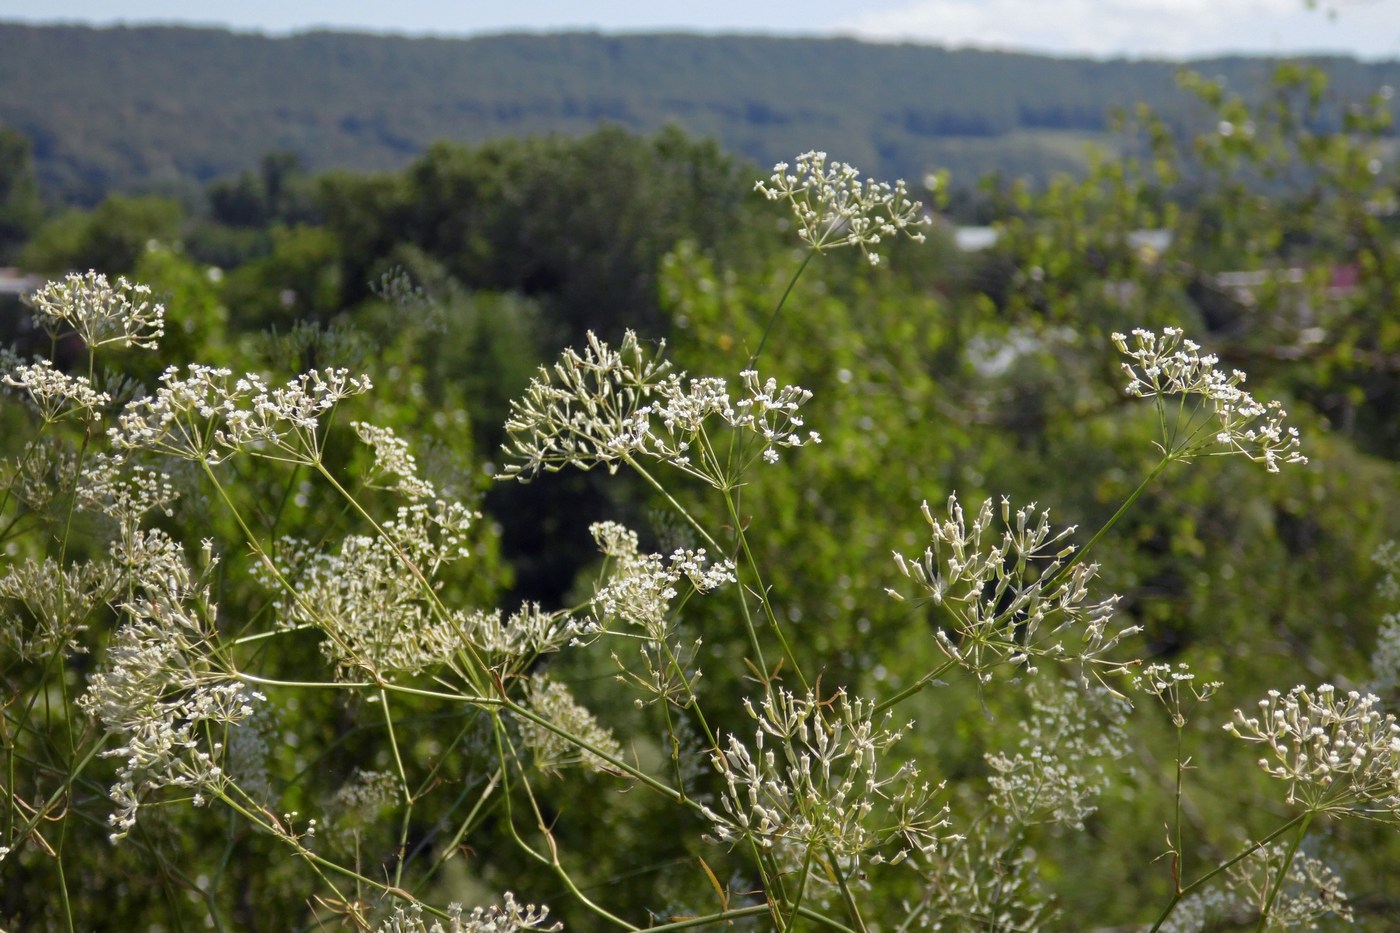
{"x": 287, "y": 418}
{"x": 511, "y": 917}
{"x": 606, "y": 407}
{"x": 990, "y": 872}
{"x": 1385, "y": 659}
{"x": 584, "y": 741}
{"x": 164, "y": 698}
{"x": 1175, "y": 687}
{"x": 395, "y": 468}
{"x": 1173, "y": 365}
{"x": 43, "y": 475}
{"x": 373, "y": 595}
{"x": 118, "y": 487}
{"x": 247, "y": 755}
{"x": 813, "y": 782}
{"x": 99, "y": 313}
{"x": 1010, "y": 597}
{"x": 643, "y": 586}
{"x": 56, "y": 394}
{"x": 1310, "y": 892}
{"x": 585, "y": 411}
{"x": 1337, "y": 753}
{"x": 639, "y": 593}
{"x": 207, "y": 415}
{"x": 1058, "y": 767}
{"x": 835, "y": 208}
{"x": 358, "y": 804}
{"x": 57, "y": 605}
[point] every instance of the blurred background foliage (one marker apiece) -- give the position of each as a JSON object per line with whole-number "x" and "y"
{"x": 1274, "y": 240}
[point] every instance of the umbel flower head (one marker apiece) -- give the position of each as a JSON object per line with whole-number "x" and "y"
{"x": 1173, "y": 365}
{"x": 835, "y": 208}
{"x": 1010, "y": 597}
{"x": 606, "y": 406}
{"x": 1338, "y": 753}
{"x": 91, "y": 307}
{"x": 814, "y": 782}
{"x": 511, "y": 917}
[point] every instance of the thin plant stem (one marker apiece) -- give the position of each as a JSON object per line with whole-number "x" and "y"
{"x": 773, "y": 318}
{"x": 1083, "y": 552}
{"x": 1283, "y": 873}
{"x": 1224, "y": 866}
{"x": 847, "y": 896}
{"x": 916, "y": 687}
{"x": 403, "y": 784}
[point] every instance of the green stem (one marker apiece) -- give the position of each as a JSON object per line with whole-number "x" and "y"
{"x": 1083, "y": 552}
{"x": 739, "y": 913}
{"x": 846, "y": 896}
{"x": 762, "y": 591}
{"x": 778, "y": 309}
{"x": 680, "y": 509}
{"x": 1253, "y": 847}
{"x": 914, "y": 688}
{"x": 1283, "y": 873}
{"x": 403, "y": 783}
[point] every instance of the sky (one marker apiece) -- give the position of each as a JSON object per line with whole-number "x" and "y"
{"x": 1103, "y": 28}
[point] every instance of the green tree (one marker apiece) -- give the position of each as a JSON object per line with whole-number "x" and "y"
{"x": 110, "y": 238}
{"x": 20, "y": 208}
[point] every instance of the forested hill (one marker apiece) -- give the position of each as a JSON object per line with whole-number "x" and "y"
{"x": 167, "y": 108}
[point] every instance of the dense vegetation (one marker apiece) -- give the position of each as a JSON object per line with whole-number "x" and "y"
{"x": 440, "y": 747}
{"x": 168, "y": 109}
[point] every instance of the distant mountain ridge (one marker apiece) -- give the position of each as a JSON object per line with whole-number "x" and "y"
{"x": 140, "y": 108}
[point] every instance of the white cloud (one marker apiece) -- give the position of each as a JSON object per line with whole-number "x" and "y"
{"x": 1156, "y": 28}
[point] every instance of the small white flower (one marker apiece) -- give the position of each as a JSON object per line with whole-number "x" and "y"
{"x": 835, "y": 208}
{"x": 88, "y": 305}
{"x": 1170, "y": 364}
{"x": 56, "y": 394}
{"x": 1008, "y": 597}
{"x": 1337, "y": 753}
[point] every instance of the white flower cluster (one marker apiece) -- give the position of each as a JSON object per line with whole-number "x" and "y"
{"x": 56, "y": 394}
{"x": 988, "y": 877}
{"x": 116, "y": 486}
{"x": 642, "y": 586}
{"x": 605, "y": 406}
{"x": 1172, "y": 686}
{"x": 43, "y": 475}
{"x": 207, "y": 415}
{"x": 58, "y": 603}
{"x": 358, "y": 803}
{"x": 511, "y": 917}
{"x": 1008, "y": 597}
{"x": 1338, "y": 753}
{"x": 639, "y": 592}
{"x": 553, "y": 702}
{"x": 812, "y": 784}
{"x": 99, "y": 313}
{"x": 247, "y": 753}
{"x": 1311, "y": 893}
{"x": 1058, "y": 768}
{"x": 584, "y": 411}
{"x": 1173, "y": 365}
{"x": 163, "y": 694}
{"x": 367, "y": 594}
{"x": 395, "y": 467}
{"x": 835, "y": 208}
{"x": 507, "y": 643}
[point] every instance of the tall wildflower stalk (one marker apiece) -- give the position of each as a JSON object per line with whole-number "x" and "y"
{"x": 127, "y": 673}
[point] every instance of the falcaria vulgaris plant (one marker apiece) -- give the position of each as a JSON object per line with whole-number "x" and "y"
{"x": 146, "y": 671}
